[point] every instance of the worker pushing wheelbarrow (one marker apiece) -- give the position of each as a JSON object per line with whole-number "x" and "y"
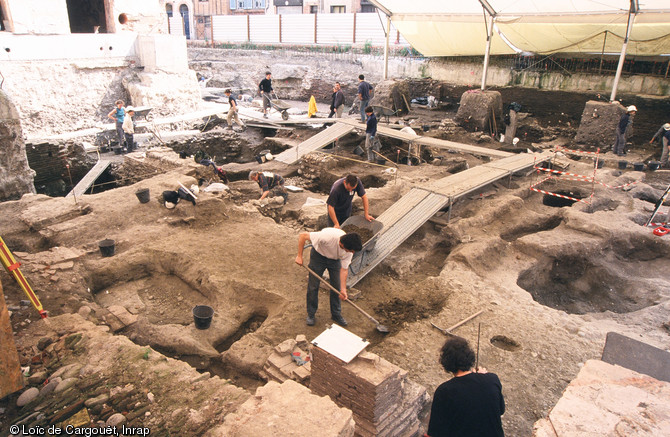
{"x": 278, "y": 104}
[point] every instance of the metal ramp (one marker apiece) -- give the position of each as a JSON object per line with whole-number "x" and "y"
{"x": 400, "y": 222}
{"x": 90, "y": 177}
{"x": 319, "y": 140}
{"x": 414, "y": 209}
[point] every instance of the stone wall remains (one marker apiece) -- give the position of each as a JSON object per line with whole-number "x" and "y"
{"x": 16, "y": 177}
{"x": 53, "y": 97}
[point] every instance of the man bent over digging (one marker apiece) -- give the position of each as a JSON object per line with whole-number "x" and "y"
{"x": 332, "y": 249}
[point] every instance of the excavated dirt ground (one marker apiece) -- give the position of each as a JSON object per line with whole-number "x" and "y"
{"x": 551, "y": 281}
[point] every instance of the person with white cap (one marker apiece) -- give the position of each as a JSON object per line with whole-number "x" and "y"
{"x": 625, "y": 121}
{"x": 129, "y": 128}
{"x": 664, "y": 135}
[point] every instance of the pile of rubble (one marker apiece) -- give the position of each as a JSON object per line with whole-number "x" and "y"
{"x": 290, "y": 359}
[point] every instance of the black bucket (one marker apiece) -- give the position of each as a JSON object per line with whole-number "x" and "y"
{"x": 654, "y": 165}
{"x": 623, "y": 165}
{"x": 202, "y": 316}
{"x": 106, "y": 247}
{"x": 381, "y": 161}
{"x": 599, "y": 163}
{"x": 638, "y": 166}
{"x": 359, "y": 151}
{"x": 142, "y": 195}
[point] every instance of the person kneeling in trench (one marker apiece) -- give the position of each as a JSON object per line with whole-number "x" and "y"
{"x": 269, "y": 182}
{"x": 332, "y": 249}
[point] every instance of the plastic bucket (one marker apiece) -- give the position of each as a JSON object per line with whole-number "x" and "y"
{"x": 638, "y": 166}
{"x": 142, "y": 195}
{"x": 599, "y": 163}
{"x": 654, "y": 165}
{"x": 623, "y": 165}
{"x": 202, "y": 316}
{"x": 106, "y": 247}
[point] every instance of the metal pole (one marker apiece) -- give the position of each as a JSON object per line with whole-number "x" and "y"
{"x": 488, "y": 50}
{"x": 386, "y": 47}
{"x": 624, "y": 47}
{"x": 602, "y": 53}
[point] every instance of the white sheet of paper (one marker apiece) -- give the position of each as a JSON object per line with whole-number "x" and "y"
{"x": 341, "y": 343}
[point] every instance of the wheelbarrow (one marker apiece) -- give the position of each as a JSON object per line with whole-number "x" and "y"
{"x": 360, "y": 222}
{"x": 383, "y": 111}
{"x": 279, "y": 105}
{"x": 142, "y": 112}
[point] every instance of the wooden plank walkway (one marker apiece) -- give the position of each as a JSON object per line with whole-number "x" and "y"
{"x": 319, "y": 140}
{"x": 414, "y": 209}
{"x": 90, "y": 177}
{"x": 428, "y": 141}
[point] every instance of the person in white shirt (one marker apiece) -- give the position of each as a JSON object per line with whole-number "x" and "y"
{"x": 129, "y": 128}
{"x": 332, "y": 249}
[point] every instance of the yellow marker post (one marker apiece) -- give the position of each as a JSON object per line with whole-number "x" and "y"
{"x": 12, "y": 267}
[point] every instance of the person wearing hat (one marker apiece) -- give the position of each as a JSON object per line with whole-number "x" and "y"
{"x": 625, "y": 121}
{"x": 664, "y": 134}
{"x": 332, "y": 249}
{"x": 129, "y": 128}
{"x": 269, "y": 182}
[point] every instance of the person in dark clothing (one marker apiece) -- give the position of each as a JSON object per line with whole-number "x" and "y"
{"x": 663, "y": 134}
{"x": 371, "y": 141}
{"x": 624, "y": 122}
{"x": 337, "y": 105}
{"x": 332, "y": 249}
{"x": 364, "y": 89}
{"x": 265, "y": 88}
{"x": 332, "y": 102}
{"x": 471, "y": 403}
{"x": 269, "y": 182}
{"x": 171, "y": 198}
{"x": 341, "y": 197}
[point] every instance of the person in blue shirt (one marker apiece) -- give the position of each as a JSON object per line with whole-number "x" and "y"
{"x": 341, "y": 197}
{"x": 118, "y": 114}
{"x": 626, "y": 120}
{"x": 364, "y": 89}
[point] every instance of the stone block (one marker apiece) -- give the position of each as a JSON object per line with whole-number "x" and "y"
{"x": 477, "y": 110}
{"x": 598, "y": 123}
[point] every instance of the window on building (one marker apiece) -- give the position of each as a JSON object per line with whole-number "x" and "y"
{"x": 313, "y": 9}
{"x": 368, "y": 8}
{"x": 86, "y": 16}
{"x": 247, "y": 4}
{"x": 338, "y": 9}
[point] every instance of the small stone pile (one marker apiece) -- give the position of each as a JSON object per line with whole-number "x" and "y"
{"x": 384, "y": 401}
{"x": 290, "y": 359}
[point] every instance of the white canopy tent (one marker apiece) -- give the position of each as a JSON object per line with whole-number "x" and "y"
{"x": 499, "y": 27}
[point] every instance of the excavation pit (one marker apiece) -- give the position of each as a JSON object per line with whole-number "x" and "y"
{"x": 578, "y": 285}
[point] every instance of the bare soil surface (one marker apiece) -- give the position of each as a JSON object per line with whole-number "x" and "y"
{"x": 551, "y": 281}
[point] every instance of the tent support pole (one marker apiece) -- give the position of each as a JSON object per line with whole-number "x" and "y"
{"x": 386, "y": 47}
{"x": 631, "y": 17}
{"x": 485, "y": 70}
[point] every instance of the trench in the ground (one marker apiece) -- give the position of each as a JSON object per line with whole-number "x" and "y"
{"x": 154, "y": 291}
{"x": 599, "y": 280}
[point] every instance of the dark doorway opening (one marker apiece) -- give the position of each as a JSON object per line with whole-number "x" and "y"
{"x": 183, "y": 10}
{"x": 87, "y": 16}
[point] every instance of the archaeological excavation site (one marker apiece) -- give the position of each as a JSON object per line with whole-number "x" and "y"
{"x": 164, "y": 190}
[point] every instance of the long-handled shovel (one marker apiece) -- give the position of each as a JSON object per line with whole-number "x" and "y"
{"x": 381, "y": 328}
